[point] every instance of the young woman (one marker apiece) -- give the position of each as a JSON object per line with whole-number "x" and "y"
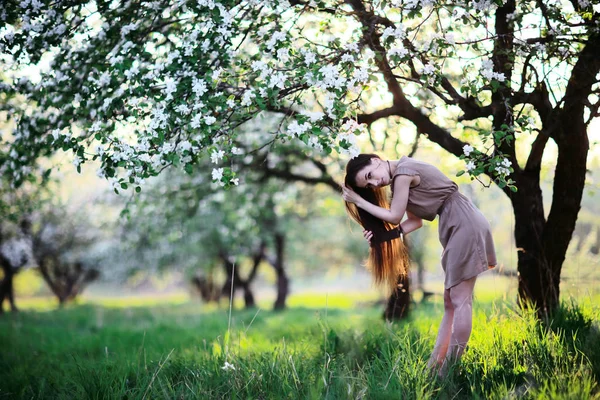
{"x": 421, "y": 191}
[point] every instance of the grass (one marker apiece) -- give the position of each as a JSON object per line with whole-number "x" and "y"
{"x": 181, "y": 350}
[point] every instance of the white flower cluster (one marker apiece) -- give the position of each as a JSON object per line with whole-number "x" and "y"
{"x": 295, "y": 129}
{"x": 467, "y": 149}
{"x": 487, "y": 71}
{"x": 502, "y": 168}
{"x": 348, "y": 133}
{"x": 399, "y": 51}
{"x": 397, "y": 33}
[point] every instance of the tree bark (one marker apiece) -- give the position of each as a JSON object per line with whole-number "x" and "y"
{"x": 282, "y": 279}
{"x": 536, "y": 287}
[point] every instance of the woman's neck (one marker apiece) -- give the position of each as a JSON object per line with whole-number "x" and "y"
{"x": 393, "y": 164}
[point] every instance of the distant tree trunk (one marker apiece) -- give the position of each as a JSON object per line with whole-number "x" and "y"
{"x": 234, "y": 281}
{"x": 65, "y": 281}
{"x": 398, "y": 305}
{"x": 6, "y": 287}
{"x": 282, "y": 279}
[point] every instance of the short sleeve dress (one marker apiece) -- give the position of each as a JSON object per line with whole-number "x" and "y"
{"x": 464, "y": 232}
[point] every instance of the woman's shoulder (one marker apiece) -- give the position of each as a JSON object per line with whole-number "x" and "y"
{"x": 406, "y": 166}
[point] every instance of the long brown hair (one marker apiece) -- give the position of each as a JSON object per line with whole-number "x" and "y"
{"x": 388, "y": 259}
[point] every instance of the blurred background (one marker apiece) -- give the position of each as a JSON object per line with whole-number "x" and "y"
{"x": 282, "y": 236}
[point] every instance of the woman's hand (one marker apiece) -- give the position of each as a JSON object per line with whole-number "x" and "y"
{"x": 350, "y": 195}
{"x": 368, "y": 235}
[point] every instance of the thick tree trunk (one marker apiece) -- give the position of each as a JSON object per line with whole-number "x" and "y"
{"x": 282, "y": 279}
{"x": 543, "y": 243}
{"x": 536, "y": 283}
{"x": 398, "y": 305}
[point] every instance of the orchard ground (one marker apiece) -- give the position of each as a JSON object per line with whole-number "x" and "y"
{"x": 330, "y": 345}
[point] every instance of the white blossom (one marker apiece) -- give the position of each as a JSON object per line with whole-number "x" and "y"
{"x": 348, "y": 133}
{"x": 314, "y": 142}
{"x": 198, "y": 86}
{"x": 96, "y": 126}
{"x": 247, "y": 98}
{"x": 398, "y": 51}
{"x": 104, "y": 79}
{"x": 182, "y": 109}
{"x": 170, "y": 87}
{"x": 283, "y": 55}
{"x": 309, "y": 58}
{"x": 471, "y": 165}
{"x": 276, "y": 37}
{"x": 467, "y": 149}
{"x": 77, "y": 161}
{"x": 295, "y": 129}
{"x": 361, "y": 75}
{"x": 396, "y": 33}
{"x": 196, "y": 121}
{"x": 209, "y": 120}
{"x": 314, "y": 116}
{"x": 278, "y": 80}
{"x": 429, "y": 69}
{"x": 216, "y": 74}
{"x": 347, "y": 58}
{"x": 184, "y": 145}
{"x": 228, "y": 367}
{"x": 216, "y": 156}
{"x": 128, "y": 28}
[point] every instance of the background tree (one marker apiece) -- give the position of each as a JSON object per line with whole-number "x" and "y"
{"x": 145, "y": 86}
{"x": 186, "y": 222}
{"x": 63, "y": 248}
{"x": 15, "y": 253}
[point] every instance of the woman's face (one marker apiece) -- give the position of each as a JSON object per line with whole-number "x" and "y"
{"x": 376, "y": 174}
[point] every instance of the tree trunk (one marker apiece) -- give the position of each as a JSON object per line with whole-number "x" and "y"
{"x": 542, "y": 244}
{"x": 398, "y": 304}
{"x": 7, "y": 290}
{"x": 536, "y": 284}
{"x": 234, "y": 281}
{"x": 282, "y": 279}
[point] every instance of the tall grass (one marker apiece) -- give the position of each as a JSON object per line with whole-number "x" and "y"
{"x": 183, "y": 352}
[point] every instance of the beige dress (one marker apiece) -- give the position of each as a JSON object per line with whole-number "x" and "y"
{"x": 464, "y": 232}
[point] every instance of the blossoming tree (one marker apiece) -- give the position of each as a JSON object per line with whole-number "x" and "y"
{"x": 141, "y": 86}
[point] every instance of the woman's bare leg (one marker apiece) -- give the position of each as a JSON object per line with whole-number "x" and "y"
{"x": 445, "y": 332}
{"x": 461, "y": 297}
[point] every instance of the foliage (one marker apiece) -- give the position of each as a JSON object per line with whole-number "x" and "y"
{"x": 186, "y": 223}
{"x": 142, "y": 87}
{"x": 177, "y": 351}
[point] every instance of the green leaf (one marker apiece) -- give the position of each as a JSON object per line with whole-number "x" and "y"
{"x": 460, "y": 173}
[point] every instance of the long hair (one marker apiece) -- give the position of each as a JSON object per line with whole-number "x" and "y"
{"x": 388, "y": 260}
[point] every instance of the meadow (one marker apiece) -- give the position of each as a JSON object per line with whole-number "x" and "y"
{"x": 174, "y": 349}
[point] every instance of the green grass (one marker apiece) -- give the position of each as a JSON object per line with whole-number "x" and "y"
{"x": 178, "y": 351}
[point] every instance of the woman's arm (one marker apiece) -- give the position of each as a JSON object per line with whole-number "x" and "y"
{"x": 398, "y": 207}
{"x": 412, "y": 223}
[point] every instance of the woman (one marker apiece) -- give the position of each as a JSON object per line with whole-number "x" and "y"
{"x": 421, "y": 191}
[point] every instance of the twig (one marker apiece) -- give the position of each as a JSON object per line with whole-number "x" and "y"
{"x": 160, "y": 365}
